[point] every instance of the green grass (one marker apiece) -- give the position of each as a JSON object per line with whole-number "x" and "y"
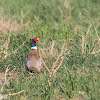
{"x": 55, "y": 22}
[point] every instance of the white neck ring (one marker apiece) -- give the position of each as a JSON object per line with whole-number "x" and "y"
{"x": 34, "y": 47}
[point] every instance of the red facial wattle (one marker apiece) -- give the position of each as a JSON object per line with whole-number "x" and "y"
{"x": 35, "y": 39}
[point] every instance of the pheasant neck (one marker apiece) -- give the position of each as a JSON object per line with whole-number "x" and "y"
{"x": 33, "y": 45}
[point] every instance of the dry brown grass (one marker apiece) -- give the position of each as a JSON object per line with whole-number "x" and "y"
{"x": 6, "y": 79}
{"x": 7, "y": 27}
{"x": 52, "y": 53}
{"x": 67, "y": 17}
{"x": 8, "y": 24}
{"x": 49, "y": 52}
{"x": 78, "y": 98}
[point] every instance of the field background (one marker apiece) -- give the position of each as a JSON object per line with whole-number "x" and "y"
{"x": 69, "y": 32}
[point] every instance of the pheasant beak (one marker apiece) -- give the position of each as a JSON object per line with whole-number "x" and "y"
{"x": 38, "y": 38}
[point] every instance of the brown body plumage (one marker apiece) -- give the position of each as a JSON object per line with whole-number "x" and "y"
{"x": 33, "y": 61}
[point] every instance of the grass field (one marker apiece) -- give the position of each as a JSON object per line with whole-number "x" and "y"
{"x": 69, "y": 32}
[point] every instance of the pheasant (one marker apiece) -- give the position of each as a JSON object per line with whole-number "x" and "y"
{"x": 33, "y": 59}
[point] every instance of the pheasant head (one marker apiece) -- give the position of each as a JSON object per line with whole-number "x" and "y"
{"x": 33, "y": 42}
